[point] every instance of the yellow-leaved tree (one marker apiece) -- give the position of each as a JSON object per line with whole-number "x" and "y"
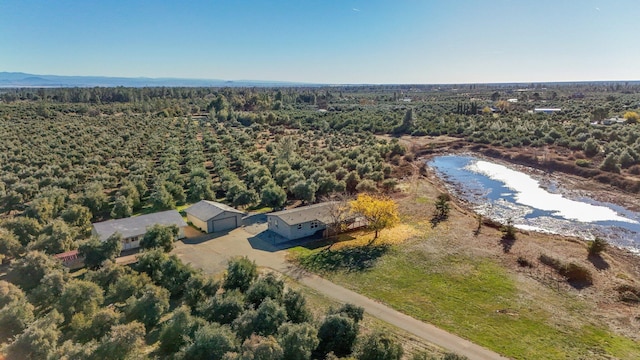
{"x": 380, "y": 213}
{"x": 632, "y": 117}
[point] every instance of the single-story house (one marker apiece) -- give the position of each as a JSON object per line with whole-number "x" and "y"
{"x": 306, "y": 221}
{"x": 211, "y": 216}
{"x": 133, "y": 229}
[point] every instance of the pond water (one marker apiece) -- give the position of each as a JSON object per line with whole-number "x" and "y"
{"x": 499, "y": 192}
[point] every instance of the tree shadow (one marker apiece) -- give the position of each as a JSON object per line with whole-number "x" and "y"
{"x": 437, "y": 219}
{"x": 598, "y": 262}
{"x": 507, "y": 243}
{"x": 580, "y": 284}
{"x": 349, "y": 258}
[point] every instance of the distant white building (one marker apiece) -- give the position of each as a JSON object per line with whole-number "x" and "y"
{"x": 547, "y": 110}
{"x": 613, "y": 120}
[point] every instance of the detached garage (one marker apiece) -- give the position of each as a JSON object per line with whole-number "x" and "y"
{"x": 211, "y": 216}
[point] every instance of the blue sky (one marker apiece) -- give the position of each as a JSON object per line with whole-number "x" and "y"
{"x": 331, "y": 41}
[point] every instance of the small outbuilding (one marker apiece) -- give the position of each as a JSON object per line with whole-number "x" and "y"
{"x": 211, "y": 216}
{"x": 133, "y": 229}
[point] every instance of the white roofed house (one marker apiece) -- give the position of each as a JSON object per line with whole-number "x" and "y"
{"x": 211, "y": 216}
{"x": 133, "y": 229}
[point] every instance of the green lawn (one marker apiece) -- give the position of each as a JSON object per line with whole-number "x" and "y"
{"x": 477, "y": 299}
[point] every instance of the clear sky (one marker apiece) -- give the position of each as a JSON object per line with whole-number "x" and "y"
{"x": 326, "y": 41}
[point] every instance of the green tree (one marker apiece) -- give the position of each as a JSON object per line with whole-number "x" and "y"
{"x": 442, "y": 207}
{"x": 14, "y": 318}
{"x": 57, "y": 237}
{"x": 273, "y": 195}
{"x": 160, "y": 236}
{"x": 29, "y": 270}
{"x": 356, "y": 313}
{"x": 241, "y": 272}
{"x": 590, "y": 147}
{"x": 122, "y": 208}
{"x": 80, "y": 296}
{"x": 124, "y": 341}
{"x": 94, "y": 198}
{"x": 38, "y": 341}
{"x": 96, "y": 252}
{"x": 161, "y": 199}
{"x": 41, "y": 209}
{"x": 610, "y": 164}
{"x": 337, "y": 333}
{"x": 24, "y": 228}
{"x": 148, "y": 308}
{"x": 10, "y": 247}
{"x": 597, "y": 246}
{"x": 267, "y": 286}
{"x": 222, "y": 308}
{"x": 261, "y": 348}
{"x": 178, "y": 330}
{"x": 269, "y": 316}
{"x": 599, "y": 114}
{"x": 298, "y": 340}
{"x": 198, "y": 288}
{"x": 49, "y": 290}
{"x": 16, "y": 313}
{"x": 305, "y": 190}
{"x": 211, "y": 342}
{"x": 380, "y": 346}
{"x": 295, "y": 305}
{"x": 97, "y": 326}
{"x": 77, "y": 215}
{"x": 126, "y": 286}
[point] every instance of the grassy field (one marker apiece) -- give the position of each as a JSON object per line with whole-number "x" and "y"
{"x": 475, "y": 297}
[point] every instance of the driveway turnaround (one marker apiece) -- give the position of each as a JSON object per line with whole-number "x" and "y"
{"x": 212, "y": 251}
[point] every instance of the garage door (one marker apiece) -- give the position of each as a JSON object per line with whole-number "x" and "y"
{"x": 224, "y": 224}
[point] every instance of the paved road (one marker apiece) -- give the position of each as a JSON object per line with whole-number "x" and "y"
{"x": 211, "y": 253}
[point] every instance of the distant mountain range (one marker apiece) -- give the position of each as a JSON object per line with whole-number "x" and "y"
{"x": 19, "y": 80}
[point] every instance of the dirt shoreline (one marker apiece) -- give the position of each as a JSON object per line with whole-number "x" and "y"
{"x": 571, "y": 186}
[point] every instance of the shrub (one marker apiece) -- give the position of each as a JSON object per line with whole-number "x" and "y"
{"x": 572, "y": 272}
{"x": 628, "y": 294}
{"x": 523, "y": 262}
{"x": 597, "y": 246}
{"x": 583, "y": 163}
{"x": 508, "y": 230}
{"x": 380, "y": 346}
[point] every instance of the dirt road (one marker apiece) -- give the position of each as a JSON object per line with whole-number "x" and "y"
{"x": 211, "y": 254}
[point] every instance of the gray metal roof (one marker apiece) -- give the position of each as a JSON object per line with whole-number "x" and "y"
{"x": 137, "y": 225}
{"x": 205, "y": 209}
{"x": 320, "y": 212}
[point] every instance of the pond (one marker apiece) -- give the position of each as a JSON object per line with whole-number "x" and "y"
{"x": 500, "y": 192}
